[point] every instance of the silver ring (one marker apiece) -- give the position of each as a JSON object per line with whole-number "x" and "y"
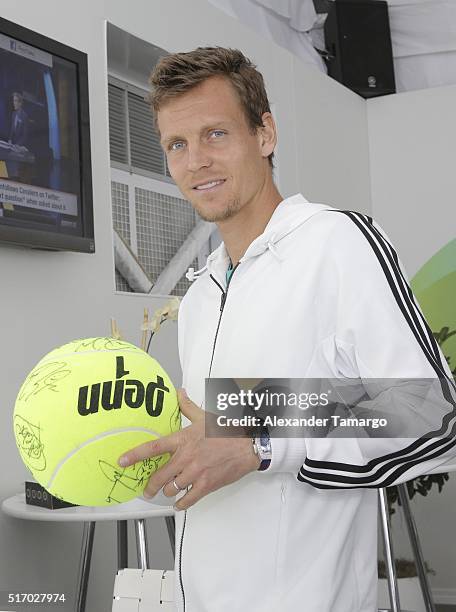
{"x": 176, "y": 486}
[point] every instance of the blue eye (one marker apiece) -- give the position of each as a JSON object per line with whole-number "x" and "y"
{"x": 217, "y": 132}
{"x": 173, "y": 146}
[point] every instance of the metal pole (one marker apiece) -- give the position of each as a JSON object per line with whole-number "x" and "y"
{"x": 122, "y": 544}
{"x": 416, "y": 547}
{"x": 141, "y": 544}
{"x": 84, "y": 566}
{"x": 171, "y": 526}
{"x": 389, "y": 555}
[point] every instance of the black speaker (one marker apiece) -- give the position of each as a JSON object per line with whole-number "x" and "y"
{"x": 358, "y": 45}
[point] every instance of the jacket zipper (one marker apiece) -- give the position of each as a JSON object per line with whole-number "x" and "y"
{"x": 222, "y": 306}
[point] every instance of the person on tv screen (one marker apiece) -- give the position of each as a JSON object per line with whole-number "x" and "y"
{"x": 19, "y": 122}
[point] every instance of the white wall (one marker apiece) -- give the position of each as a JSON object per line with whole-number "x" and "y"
{"x": 50, "y": 298}
{"x": 330, "y": 141}
{"x": 413, "y": 180}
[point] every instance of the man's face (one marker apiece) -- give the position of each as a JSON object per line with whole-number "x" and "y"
{"x": 216, "y": 161}
{"x": 17, "y": 102}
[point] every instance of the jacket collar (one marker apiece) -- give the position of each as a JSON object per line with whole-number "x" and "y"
{"x": 290, "y": 214}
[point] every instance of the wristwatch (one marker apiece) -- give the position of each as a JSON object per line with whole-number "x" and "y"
{"x": 263, "y": 449}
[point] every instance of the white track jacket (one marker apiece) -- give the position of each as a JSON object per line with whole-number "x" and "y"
{"x": 320, "y": 293}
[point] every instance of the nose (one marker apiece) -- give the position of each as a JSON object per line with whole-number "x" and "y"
{"x": 197, "y": 157}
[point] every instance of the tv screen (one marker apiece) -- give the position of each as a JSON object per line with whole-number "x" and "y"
{"x": 45, "y": 165}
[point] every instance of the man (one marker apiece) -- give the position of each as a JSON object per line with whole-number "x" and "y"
{"x": 19, "y": 122}
{"x": 295, "y": 290}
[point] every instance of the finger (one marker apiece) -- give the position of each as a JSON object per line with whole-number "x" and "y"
{"x": 152, "y": 448}
{"x": 163, "y": 476}
{"x": 189, "y": 408}
{"x": 169, "y": 490}
{"x": 183, "y": 479}
{"x": 193, "y": 495}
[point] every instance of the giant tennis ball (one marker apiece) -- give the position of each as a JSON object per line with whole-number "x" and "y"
{"x": 81, "y": 407}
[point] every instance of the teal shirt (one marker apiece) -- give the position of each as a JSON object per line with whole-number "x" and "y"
{"x": 229, "y": 272}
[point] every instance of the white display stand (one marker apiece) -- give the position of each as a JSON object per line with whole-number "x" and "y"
{"x": 137, "y": 510}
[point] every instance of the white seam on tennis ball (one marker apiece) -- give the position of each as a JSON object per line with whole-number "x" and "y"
{"x": 55, "y": 357}
{"x": 95, "y": 439}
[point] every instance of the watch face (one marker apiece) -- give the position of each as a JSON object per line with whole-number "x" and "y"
{"x": 264, "y": 440}
{"x": 264, "y": 446}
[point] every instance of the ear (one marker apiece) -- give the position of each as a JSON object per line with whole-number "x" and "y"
{"x": 267, "y": 134}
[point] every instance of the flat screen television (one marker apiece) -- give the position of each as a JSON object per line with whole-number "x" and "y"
{"x": 45, "y": 163}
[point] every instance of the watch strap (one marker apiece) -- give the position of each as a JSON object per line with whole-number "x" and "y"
{"x": 263, "y": 449}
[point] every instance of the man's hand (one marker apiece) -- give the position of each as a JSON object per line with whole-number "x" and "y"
{"x": 202, "y": 464}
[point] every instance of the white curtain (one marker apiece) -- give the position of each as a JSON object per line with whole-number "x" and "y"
{"x": 287, "y": 22}
{"x": 423, "y": 34}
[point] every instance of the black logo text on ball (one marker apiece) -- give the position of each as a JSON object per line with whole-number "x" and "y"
{"x": 131, "y": 392}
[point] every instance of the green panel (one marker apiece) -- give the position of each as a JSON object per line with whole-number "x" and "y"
{"x": 441, "y": 264}
{"x": 435, "y": 289}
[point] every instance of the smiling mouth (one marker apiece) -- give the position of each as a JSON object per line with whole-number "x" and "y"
{"x": 209, "y": 186}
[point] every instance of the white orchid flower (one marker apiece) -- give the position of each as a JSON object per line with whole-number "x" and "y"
{"x": 171, "y": 309}
{"x": 168, "y": 312}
